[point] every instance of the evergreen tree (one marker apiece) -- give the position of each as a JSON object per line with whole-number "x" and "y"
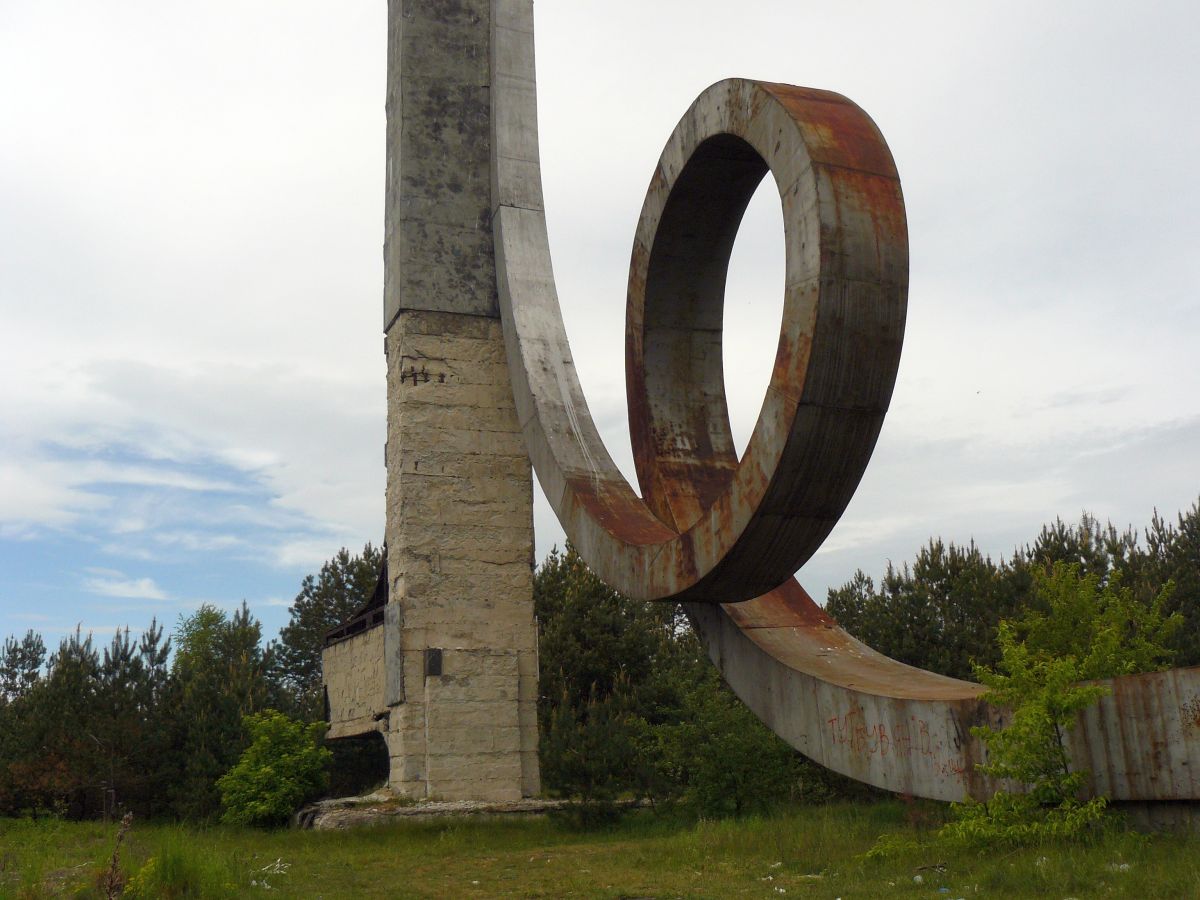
{"x": 1096, "y": 549}
{"x": 594, "y": 642}
{"x": 91, "y": 733}
{"x": 1173, "y": 555}
{"x": 20, "y": 665}
{"x": 218, "y": 677}
{"x": 147, "y": 734}
{"x": 57, "y": 761}
{"x": 941, "y": 614}
{"x": 731, "y": 764}
{"x": 630, "y": 705}
{"x": 597, "y": 652}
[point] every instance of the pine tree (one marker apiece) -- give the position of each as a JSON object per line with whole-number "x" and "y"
{"x": 1097, "y": 549}
{"x": 61, "y": 761}
{"x": 21, "y": 665}
{"x": 630, "y": 705}
{"x": 939, "y": 614}
{"x": 219, "y": 676}
{"x": 1173, "y": 555}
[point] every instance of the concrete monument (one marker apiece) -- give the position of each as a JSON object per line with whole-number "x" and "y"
{"x": 446, "y": 666}
{"x": 448, "y": 672}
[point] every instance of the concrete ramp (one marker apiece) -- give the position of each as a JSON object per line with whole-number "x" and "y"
{"x": 723, "y": 534}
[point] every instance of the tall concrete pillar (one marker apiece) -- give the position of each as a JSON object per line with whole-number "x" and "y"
{"x": 460, "y": 644}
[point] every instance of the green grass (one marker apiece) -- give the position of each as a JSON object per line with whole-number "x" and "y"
{"x": 815, "y": 852}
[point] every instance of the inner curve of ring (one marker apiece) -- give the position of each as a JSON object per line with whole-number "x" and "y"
{"x": 688, "y": 412}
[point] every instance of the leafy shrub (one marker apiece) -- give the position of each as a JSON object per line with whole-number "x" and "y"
{"x": 1092, "y": 630}
{"x": 281, "y": 769}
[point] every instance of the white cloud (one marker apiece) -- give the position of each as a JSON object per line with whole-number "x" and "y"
{"x": 111, "y": 583}
{"x": 310, "y": 554}
{"x": 35, "y": 490}
{"x": 127, "y": 550}
{"x": 197, "y": 540}
{"x": 39, "y": 493}
{"x": 191, "y": 296}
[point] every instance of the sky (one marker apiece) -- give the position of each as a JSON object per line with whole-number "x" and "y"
{"x": 192, "y": 385}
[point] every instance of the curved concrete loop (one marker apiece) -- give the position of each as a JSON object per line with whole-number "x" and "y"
{"x": 714, "y": 529}
{"x": 746, "y": 525}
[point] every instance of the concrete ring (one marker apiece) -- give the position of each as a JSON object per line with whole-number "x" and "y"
{"x": 747, "y": 525}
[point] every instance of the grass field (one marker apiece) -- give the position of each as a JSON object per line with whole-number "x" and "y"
{"x": 814, "y": 852}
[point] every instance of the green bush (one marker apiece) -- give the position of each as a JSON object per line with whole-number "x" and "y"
{"x": 283, "y": 767}
{"x": 1094, "y": 629}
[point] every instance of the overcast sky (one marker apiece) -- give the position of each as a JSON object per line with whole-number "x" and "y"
{"x": 191, "y": 208}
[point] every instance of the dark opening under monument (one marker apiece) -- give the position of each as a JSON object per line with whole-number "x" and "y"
{"x": 481, "y": 382}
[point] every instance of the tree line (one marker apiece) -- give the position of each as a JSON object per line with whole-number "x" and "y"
{"x": 629, "y": 705}
{"x": 942, "y": 611}
{"x": 150, "y": 723}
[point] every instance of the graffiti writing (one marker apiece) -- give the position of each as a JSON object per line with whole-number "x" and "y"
{"x": 901, "y": 739}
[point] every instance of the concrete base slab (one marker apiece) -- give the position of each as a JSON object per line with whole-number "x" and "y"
{"x": 383, "y": 807}
{"x": 1179, "y": 815}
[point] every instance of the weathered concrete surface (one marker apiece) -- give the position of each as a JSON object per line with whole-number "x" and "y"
{"x": 1142, "y": 741}
{"x": 450, "y": 677}
{"x": 712, "y": 528}
{"x": 354, "y": 672}
{"x": 842, "y": 704}
{"x": 907, "y": 730}
{"x": 438, "y": 237}
{"x": 383, "y": 807}
{"x": 459, "y": 526}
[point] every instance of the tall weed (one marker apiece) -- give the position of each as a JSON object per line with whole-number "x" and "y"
{"x": 181, "y": 868}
